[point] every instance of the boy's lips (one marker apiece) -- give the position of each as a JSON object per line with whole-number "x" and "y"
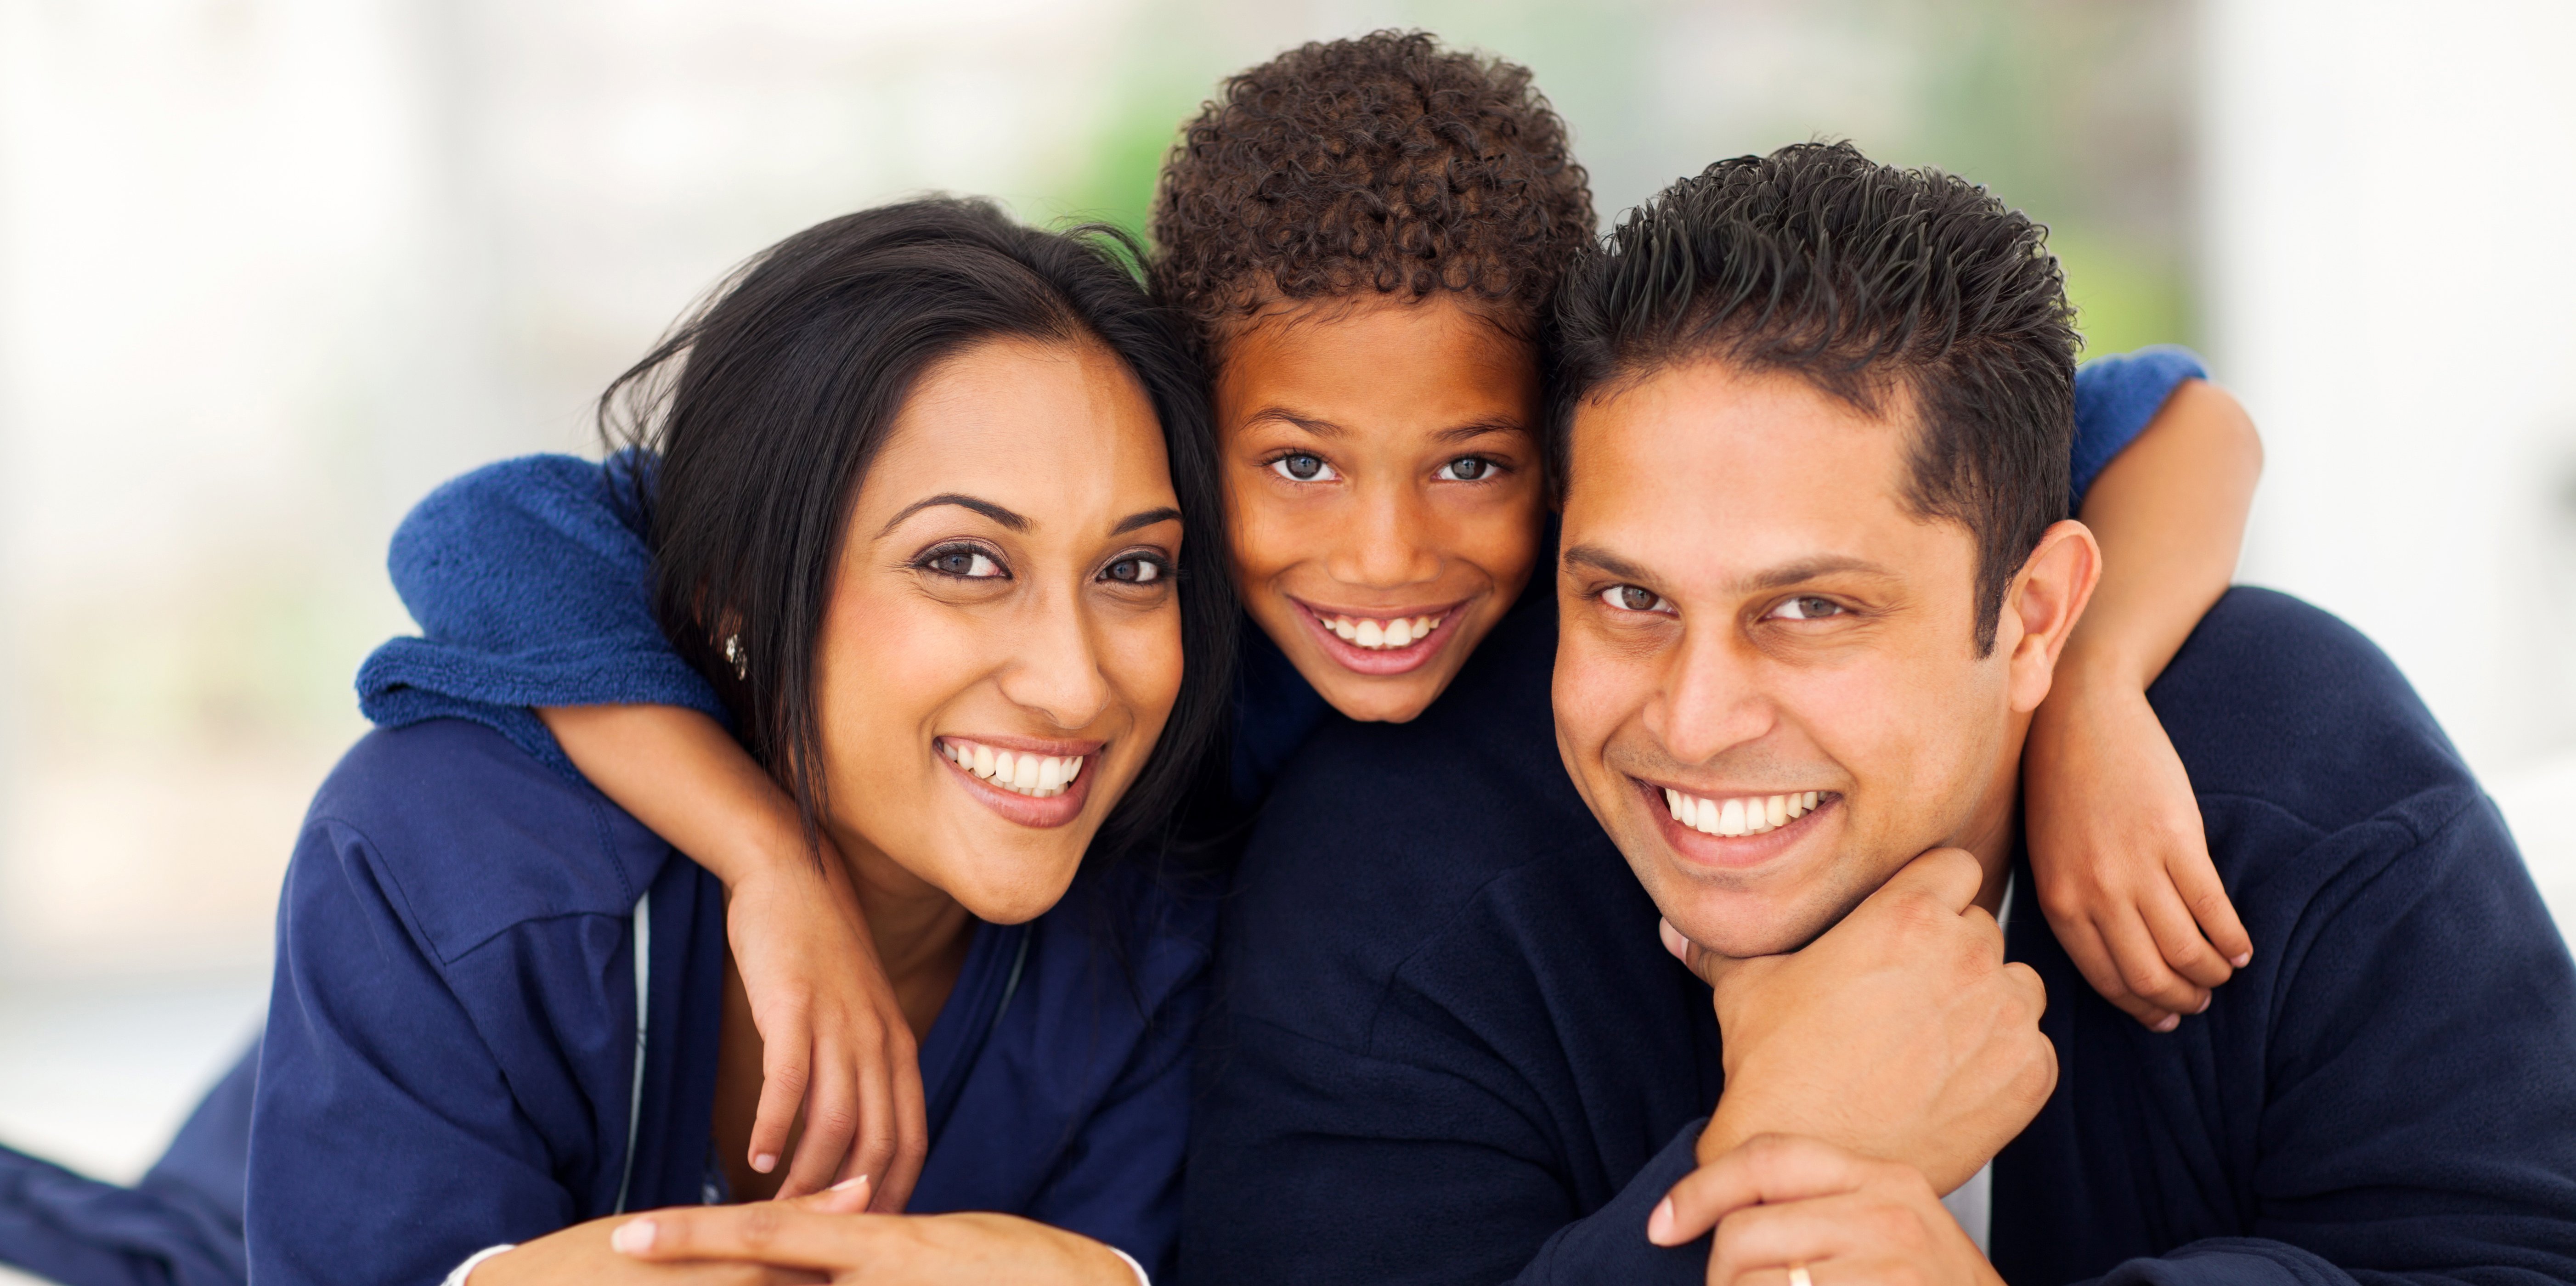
{"x": 1381, "y": 642}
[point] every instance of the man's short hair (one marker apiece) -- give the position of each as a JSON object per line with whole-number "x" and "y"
{"x": 1379, "y": 166}
{"x": 1870, "y": 282}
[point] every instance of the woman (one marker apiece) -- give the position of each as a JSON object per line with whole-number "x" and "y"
{"x": 1363, "y": 235}
{"x": 920, "y": 486}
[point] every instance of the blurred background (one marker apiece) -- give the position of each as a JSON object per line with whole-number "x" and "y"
{"x": 270, "y": 269}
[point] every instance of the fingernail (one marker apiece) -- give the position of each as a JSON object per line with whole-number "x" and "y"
{"x": 1674, "y": 942}
{"x": 851, "y": 1185}
{"x": 633, "y": 1237}
{"x": 1659, "y": 1225}
{"x": 2242, "y": 959}
{"x": 2168, "y": 1022}
{"x": 765, "y": 1162}
{"x": 2204, "y": 1004}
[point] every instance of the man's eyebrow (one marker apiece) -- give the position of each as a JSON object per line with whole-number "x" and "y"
{"x": 1603, "y": 560}
{"x": 984, "y": 507}
{"x": 1146, "y": 519}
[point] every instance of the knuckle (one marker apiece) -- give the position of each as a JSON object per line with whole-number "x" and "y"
{"x": 834, "y": 1121}
{"x": 761, "y": 1226}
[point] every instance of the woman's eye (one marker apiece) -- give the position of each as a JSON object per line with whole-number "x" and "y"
{"x": 963, "y": 563}
{"x": 1138, "y": 570}
{"x": 1630, "y": 598}
{"x": 1807, "y": 607}
{"x": 1466, "y": 468}
{"x": 1302, "y": 467}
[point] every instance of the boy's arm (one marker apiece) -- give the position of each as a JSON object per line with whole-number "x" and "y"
{"x": 828, "y": 1018}
{"x": 2115, "y": 834}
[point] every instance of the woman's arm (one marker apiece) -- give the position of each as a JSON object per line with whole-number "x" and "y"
{"x": 2115, "y": 836}
{"x": 829, "y": 1021}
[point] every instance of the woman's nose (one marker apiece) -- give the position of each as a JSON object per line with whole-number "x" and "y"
{"x": 1056, "y": 670}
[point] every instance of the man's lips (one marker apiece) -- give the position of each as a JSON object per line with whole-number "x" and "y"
{"x": 1733, "y": 830}
{"x": 1381, "y": 642}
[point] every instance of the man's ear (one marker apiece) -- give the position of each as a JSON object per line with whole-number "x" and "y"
{"x": 2046, "y": 600}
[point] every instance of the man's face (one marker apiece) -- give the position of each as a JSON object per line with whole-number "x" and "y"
{"x": 1761, "y": 636}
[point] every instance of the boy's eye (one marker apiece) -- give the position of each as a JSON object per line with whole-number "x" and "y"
{"x": 1630, "y": 598}
{"x": 1807, "y": 607}
{"x": 962, "y": 561}
{"x": 1301, "y": 467}
{"x": 1466, "y": 468}
{"x": 1137, "y": 569}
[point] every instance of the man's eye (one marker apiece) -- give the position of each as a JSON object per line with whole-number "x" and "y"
{"x": 963, "y": 562}
{"x": 1807, "y": 607}
{"x": 1137, "y": 569}
{"x": 1466, "y": 468}
{"x": 1629, "y": 598}
{"x": 1302, "y": 467}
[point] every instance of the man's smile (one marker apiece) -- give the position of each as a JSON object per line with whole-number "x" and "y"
{"x": 1733, "y": 831}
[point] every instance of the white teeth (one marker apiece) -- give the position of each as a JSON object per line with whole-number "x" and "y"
{"x": 1402, "y": 631}
{"x": 1038, "y": 776}
{"x": 1744, "y": 815}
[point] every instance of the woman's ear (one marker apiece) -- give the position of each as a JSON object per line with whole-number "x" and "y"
{"x": 2045, "y": 601}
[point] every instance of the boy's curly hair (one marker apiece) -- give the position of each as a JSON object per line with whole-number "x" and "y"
{"x": 1377, "y": 165}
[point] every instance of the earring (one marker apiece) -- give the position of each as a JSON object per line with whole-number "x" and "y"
{"x": 739, "y": 659}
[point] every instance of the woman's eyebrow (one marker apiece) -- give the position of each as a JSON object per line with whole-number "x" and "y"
{"x": 984, "y": 507}
{"x": 1146, "y": 519}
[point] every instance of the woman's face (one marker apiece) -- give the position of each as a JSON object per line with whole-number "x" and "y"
{"x": 1383, "y": 491}
{"x": 1003, "y": 642}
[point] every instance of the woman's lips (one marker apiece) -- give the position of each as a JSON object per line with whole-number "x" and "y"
{"x": 1019, "y": 780}
{"x": 1373, "y": 649}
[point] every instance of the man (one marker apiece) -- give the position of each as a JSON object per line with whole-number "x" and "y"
{"x": 1814, "y": 574}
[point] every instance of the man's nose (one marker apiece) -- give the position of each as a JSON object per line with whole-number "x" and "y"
{"x": 1710, "y": 702}
{"x": 1387, "y": 544}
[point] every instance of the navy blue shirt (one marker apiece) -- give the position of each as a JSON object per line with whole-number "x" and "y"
{"x": 1451, "y": 1049}
{"x": 451, "y": 1054}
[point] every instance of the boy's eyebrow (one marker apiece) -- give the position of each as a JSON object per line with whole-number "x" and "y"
{"x": 1319, "y": 427}
{"x": 1324, "y": 428}
{"x": 1474, "y": 429}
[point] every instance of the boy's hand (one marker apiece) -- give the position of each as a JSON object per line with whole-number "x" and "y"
{"x": 2117, "y": 850}
{"x": 833, "y": 1039}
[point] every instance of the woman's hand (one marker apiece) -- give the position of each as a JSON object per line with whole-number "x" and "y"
{"x": 2117, "y": 851}
{"x": 833, "y": 1038}
{"x": 834, "y": 1041}
{"x": 876, "y": 1250}
{"x": 1781, "y": 1202}
{"x": 584, "y": 1253}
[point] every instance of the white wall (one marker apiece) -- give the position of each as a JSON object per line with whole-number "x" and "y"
{"x": 2390, "y": 268}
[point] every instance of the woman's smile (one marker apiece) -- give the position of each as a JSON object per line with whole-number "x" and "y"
{"x": 1030, "y": 783}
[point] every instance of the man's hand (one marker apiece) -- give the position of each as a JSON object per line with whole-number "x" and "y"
{"x": 2117, "y": 851}
{"x": 833, "y": 1040}
{"x": 1780, "y": 1202}
{"x": 1901, "y": 1034}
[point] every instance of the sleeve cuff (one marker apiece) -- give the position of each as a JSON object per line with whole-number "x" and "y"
{"x": 1139, "y": 1269}
{"x": 466, "y": 1269}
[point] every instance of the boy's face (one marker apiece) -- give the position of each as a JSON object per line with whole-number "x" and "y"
{"x": 1383, "y": 489}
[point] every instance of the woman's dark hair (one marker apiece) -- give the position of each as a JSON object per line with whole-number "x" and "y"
{"x": 760, "y": 413}
{"x": 1380, "y": 165}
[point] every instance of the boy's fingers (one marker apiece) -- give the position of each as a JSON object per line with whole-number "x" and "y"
{"x": 873, "y": 1150}
{"x": 2169, "y": 922}
{"x": 912, "y": 1126}
{"x": 831, "y": 1118}
{"x": 783, "y": 1074}
{"x": 2196, "y": 880}
{"x": 2092, "y": 958}
{"x": 2142, "y": 968}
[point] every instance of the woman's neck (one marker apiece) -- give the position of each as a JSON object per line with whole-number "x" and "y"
{"x": 921, "y": 933}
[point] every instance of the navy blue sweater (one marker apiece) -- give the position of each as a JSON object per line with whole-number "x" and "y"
{"x": 1451, "y": 1048}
